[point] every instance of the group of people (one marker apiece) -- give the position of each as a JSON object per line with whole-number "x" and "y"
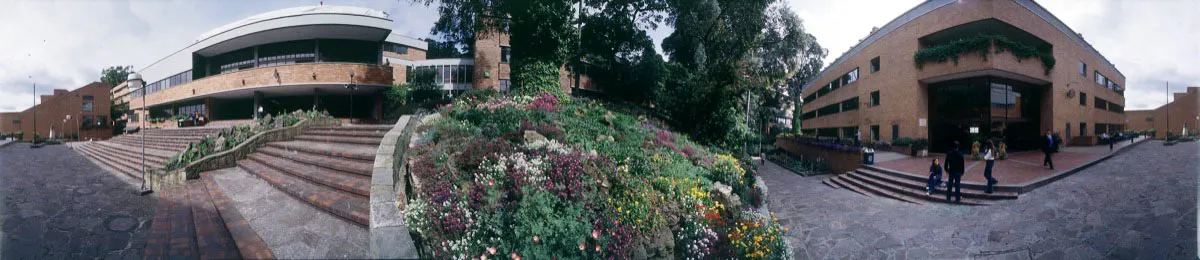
{"x": 955, "y": 166}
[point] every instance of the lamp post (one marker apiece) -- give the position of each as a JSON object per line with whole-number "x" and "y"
{"x": 135, "y": 81}
{"x": 351, "y": 86}
{"x": 35, "y": 98}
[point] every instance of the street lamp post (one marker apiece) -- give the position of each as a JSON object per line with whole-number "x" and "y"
{"x": 135, "y": 81}
{"x": 351, "y": 86}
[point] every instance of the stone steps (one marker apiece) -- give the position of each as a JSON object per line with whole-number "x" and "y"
{"x": 339, "y": 139}
{"x": 197, "y": 221}
{"x": 354, "y": 152}
{"x": 908, "y": 188}
{"x": 358, "y": 167}
{"x": 125, "y": 166}
{"x": 348, "y": 133}
{"x": 344, "y": 205}
{"x": 343, "y": 181}
{"x": 123, "y": 152}
{"x": 152, "y": 145}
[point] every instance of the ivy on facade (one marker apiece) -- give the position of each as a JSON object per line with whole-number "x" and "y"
{"x": 982, "y": 44}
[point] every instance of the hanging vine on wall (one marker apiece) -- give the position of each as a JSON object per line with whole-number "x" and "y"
{"x": 981, "y": 44}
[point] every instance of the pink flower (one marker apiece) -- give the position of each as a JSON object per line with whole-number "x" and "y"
{"x": 515, "y": 256}
{"x": 595, "y": 233}
{"x": 491, "y": 250}
{"x": 537, "y": 239}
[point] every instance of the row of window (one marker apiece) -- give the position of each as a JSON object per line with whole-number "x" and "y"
{"x": 837, "y": 132}
{"x": 1101, "y": 79}
{"x": 457, "y": 74}
{"x": 505, "y": 54}
{"x": 174, "y": 80}
{"x": 844, "y": 106}
{"x": 394, "y": 47}
{"x": 845, "y": 79}
{"x": 1101, "y": 103}
{"x": 191, "y": 110}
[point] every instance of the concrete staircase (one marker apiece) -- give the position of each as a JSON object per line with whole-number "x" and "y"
{"x": 124, "y": 153}
{"x": 197, "y": 221}
{"x": 879, "y": 182}
{"x": 327, "y": 167}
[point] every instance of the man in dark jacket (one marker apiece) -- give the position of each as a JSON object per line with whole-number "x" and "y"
{"x": 954, "y": 166}
{"x": 1047, "y": 148}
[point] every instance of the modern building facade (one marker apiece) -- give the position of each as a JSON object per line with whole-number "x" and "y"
{"x": 334, "y": 58}
{"x": 82, "y": 113}
{"x": 1024, "y": 72}
{"x": 1182, "y": 114}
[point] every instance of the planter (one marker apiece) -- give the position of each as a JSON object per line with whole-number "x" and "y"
{"x": 839, "y": 160}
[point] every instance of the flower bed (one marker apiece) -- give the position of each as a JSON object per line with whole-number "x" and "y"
{"x": 234, "y": 136}
{"x": 537, "y": 178}
{"x": 840, "y": 158}
{"x": 798, "y": 165}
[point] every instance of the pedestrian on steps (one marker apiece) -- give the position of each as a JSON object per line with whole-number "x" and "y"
{"x": 935, "y": 177}
{"x": 954, "y": 165}
{"x": 989, "y": 156}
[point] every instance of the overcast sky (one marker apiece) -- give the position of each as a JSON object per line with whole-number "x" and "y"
{"x": 65, "y": 44}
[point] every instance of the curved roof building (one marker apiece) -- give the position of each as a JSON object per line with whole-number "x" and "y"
{"x": 952, "y": 70}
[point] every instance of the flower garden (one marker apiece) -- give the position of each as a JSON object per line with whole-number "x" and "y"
{"x": 542, "y": 178}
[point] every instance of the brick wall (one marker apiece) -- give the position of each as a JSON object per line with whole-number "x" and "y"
{"x": 1183, "y": 111}
{"x": 487, "y": 60}
{"x": 839, "y": 161}
{"x": 325, "y": 73}
{"x": 904, "y": 96}
{"x": 52, "y": 109}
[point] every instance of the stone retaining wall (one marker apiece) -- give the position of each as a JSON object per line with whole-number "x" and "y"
{"x": 839, "y": 161}
{"x": 390, "y": 237}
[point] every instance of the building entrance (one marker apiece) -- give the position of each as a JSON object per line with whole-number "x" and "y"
{"x": 984, "y": 108}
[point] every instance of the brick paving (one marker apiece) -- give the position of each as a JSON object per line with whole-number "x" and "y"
{"x": 58, "y": 205}
{"x": 350, "y": 207}
{"x": 350, "y": 166}
{"x": 1137, "y": 204}
{"x": 1020, "y": 167}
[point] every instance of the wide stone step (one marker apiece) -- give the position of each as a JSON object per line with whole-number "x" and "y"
{"x": 340, "y": 139}
{"x": 151, "y": 159}
{"x": 881, "y": 189}
{"x": 384, "y": 128}
{"x": 153, "y": 145}
{"x": 344, "y": 181}
{"x": 169, "y": 140}
{"x": 924, "y": 177}
{"x": 840, "y": 181}
{"x": 349, "y": 151}
{"x": 344, "y": 132}
{"x": 829, "y": 182}
{"x": 197, "y": 221}
{"x": 350, "y": 166}
{"x": 915, "y": 194}
{"x": 344, "y": 205}
{"x": 137, "y": 151}
{"x": 127, "y": 167}
{"x": 910, "y": 184}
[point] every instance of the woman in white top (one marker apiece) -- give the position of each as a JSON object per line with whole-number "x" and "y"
{"x": 989, "y": 155}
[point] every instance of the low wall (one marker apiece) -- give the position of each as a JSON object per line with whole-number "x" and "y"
{"x": 228, "y": 158}
{"x": 390, "y": 237}
{"x": 1085, "y": 140}
{"x": 839, "y": 161}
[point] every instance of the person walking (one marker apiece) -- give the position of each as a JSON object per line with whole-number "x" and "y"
{"x": 989, "y": 156}
{"x": 935, "y": 177}
{"x": 1107, "y": 138}
{"x": 954, "y": 165}
{"x": 1048, "y": 148}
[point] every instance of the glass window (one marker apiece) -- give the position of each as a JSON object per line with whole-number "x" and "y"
{"x": 504, "y": 84}
{"x": 87, "y": 120}
{"x": 88, "y": 97}
{"x": 1082, "y": 69}
{"x": 447, "y": 77}
{"x": 875, "y": 133}
{"x": 852, "y": 76}
{"x": 875, "y": 98}
{"x": 875, "y": 64}
{"x": 505, "y": 54}
{"x": 850, "y": 104}
{"x": 87, "y": 106}
{"x": 1082, "y": 99}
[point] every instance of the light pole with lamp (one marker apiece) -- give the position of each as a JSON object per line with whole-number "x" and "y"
{"x": 351, "y": 86}
{"x": 135, "y": 82}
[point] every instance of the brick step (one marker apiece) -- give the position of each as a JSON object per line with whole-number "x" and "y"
{"x": 881, "y": 189}
{"x": 160, "y": 146}
{"x": 197, "y": 221}
{"x": 925, "y": 177}
{"x": 908, "y": 183}
{"x": 841, "y": 182}
{"x": 349, "y": 151}
{"x": 344, "y": 181}
{"x": 150, "y": 152}
{"x": 384, "y": 128}
{"x": 151, "y": 159}
{"x": 170, "y": 140}
{"x": 830, "y": 183}
{"x": 133, "y": 169}
{"x": 340, "y": 139}
{"x": 917, "y": 194}
{"x": 347, "y": 206}
{"x": 350, "y": 166}
{"x": 343, "y": 132}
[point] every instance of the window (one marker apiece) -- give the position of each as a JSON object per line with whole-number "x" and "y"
{"x": 810, "y": 98}
{"x": 875, "y": 131}
{"x": 133, "y": 117}
{"x": 505, "y": 54}
{"x": 1082, "y": 99}
{"x": 875, "y": 64}
{"x": 895, "y": 132}
{"x": 809, "y": 115}
{"x": 16, "y": 121}
{"x": 87, "y": 120}
{"x": 875, "y": 98}
{"x": 88, "y": 97}
{"x": 852, "y": 76}
{"x": 829, "y": 110}
{"x": 1082, "y": 129}
{"x": 87, "y": 106}
{"x": 397, "y": 48}
{"x": 504, "y": 84}
{"x": 1116, "y": 108}
{"x": 1100, "y": 79}
{"x": 1082, "y": 69}
{"x": 850, "y": 104}
{"x": 1101, "y": 104}
{"x": 849, "y": 132}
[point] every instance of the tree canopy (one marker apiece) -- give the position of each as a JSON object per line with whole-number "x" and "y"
{"x": 115, "y": 75}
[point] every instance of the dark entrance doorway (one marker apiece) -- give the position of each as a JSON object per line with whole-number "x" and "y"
{"x": 984, "y": 108}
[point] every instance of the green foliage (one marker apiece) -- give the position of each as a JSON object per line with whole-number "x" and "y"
{"x": 982, "y": 44}
{"x": 115, "y": 75}
{"x": 920, "y": 144}
{"x": 556, "y": 225}
{"x": 532, "y": 77}
{"x": 234, "y": 136}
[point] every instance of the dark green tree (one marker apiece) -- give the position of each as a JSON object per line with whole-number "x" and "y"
{"x": 447, "y": 49}
{"x": 616, "y": 51}
{"x": 114, "y": 76}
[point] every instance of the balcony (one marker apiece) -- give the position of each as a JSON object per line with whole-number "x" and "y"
{"x": 295, "y": 79}
{"x": 982, "y": 48}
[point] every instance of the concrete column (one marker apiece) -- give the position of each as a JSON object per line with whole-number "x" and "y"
{"x": 208, "y": 108}
{"x": 257, "y": 104}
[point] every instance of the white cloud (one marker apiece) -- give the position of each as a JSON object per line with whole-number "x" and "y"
{"x": 65, "y": 44}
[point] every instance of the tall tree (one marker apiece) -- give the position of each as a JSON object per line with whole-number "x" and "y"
{"x": 115, "y": 75}
{"x": 788, "y": 58}
{"x": 446, "y": 49}
{"x": 617, "y": 52}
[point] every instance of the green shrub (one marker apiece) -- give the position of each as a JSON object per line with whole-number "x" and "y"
{"x": 982, "y": 44}
{"x": 532, "y": 77}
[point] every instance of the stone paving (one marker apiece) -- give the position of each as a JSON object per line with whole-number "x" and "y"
{"x": 58, "y": 205}
{"x": 1138, "y": 204}
{"x": 1019, "y": 168}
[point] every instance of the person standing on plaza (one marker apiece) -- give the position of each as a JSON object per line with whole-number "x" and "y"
{"x": 935, "y": 177}
{"x": 1048, "y": 148}
{"x": 989, "y": 156}
{"x": 1104, "y": 137}
{"x": 954, "y": 166}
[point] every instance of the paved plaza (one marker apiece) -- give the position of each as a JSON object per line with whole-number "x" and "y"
{"x": 1138, "y": 204}
{"x": 1020, "y": 167}
{"x": 58, "y": 205}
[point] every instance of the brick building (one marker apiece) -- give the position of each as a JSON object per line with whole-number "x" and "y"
{"x": 1035, "y": 74}
{"x": 304, "y": 58}
{"x": 1182, "y": 113}
{"x": 87, "y": 108}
